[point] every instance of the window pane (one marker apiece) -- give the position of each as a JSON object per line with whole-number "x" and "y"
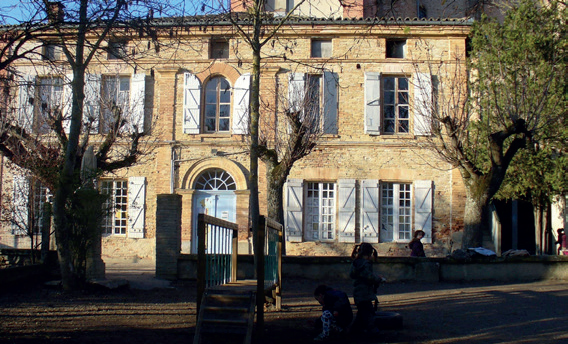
{"x": 224, "y": 111}
{"x": 389, "y": 111}
{"x": 389, "y": 83}
{"x": 210, "y": 124}
{"x": 402, "y": 83}
{"x": 389, "y": 97}
{"x": 403, "y": 126}
{"x": 402, "y": 98}
{"x": 224, "y": 125}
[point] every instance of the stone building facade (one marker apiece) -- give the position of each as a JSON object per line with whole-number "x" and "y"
{"x": 367, "y": 178}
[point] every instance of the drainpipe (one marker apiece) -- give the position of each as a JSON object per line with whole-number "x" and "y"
{"x": 172, "y": 168}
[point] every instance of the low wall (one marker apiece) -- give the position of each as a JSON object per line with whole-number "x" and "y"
{"x": 400, "y": 269}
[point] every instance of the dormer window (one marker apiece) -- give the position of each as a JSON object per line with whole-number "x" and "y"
{"x": 321, "y": 48}
{"x": 396, "y": 48}
{"x": 116, "y": 50}
{"x": 219, "y": 49}
{"x": 51, "y": 52}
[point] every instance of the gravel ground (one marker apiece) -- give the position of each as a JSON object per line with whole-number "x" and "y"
{"x": 433, "y": 313}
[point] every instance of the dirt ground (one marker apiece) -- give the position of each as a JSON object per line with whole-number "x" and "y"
{"x": 432, "y": 313}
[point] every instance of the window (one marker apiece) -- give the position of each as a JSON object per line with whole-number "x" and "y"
{"x": 219, "y": 49}
{"x": 115, "y": 220}
{"x": 215, "y": 179}
{"x": 116, "y": 97}
{"x": 51, "y": 52}
{"x": 29, "y": 197}
{"x": 208, "y": 109}
{"x": 320, "y": 211}
{"x": 396, "y": 210}
{"x": 41, "y": 195}
{"x": 396, "y": 48}
{"x": 395, "y": 105}
{"x": 116, "y": 50}
{"x": 321, "y": 48}
{"x": 314, "y": 97}
{"x": 217, "y": 113}
{"x": 50, "y": 102}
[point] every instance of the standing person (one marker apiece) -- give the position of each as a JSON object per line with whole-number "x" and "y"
{"x": 364, "y": 287}
{"x": 336, "y": 311}
{"x": 416, "y": 245}
{"x": 561, "y": 241}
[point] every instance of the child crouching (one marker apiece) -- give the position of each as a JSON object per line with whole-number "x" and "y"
{"x": 336, "y": 311}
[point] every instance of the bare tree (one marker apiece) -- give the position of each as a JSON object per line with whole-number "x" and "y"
{"x": 52, "y": 149}
{"x": 505, "y": 98}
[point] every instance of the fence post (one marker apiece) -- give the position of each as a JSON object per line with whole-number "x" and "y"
{"x": 201, "y": 264}
{"x": 259, "y": 252}
{"x": 168, "y": 235}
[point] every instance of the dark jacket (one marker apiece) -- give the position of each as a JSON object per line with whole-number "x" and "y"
{"x": 365, "y": 281}
{"x": 417, "y": 248}
{"x": 337, "y": 301}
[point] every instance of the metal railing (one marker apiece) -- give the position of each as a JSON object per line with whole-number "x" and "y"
{"x": 217, "y": 251}
{"x": 269, "y": 266}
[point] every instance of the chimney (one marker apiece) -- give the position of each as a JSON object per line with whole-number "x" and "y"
{"x": 55, "y": 12}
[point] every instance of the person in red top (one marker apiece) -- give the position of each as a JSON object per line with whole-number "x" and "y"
{"x": 416, "y": 246}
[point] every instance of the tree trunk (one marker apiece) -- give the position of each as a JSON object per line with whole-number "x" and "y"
{"x": 476, "y": 218}
{"x": 65, "y": 183}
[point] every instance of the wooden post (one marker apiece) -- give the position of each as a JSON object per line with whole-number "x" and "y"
{"x": 200, "y": 259}
{"x": 259, "y": 252}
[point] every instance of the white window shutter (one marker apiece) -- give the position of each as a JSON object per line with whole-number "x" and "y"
{"x": 296, "y": 91}
{"x": 68, "y": 102}
{"x": 191, "y": 104}
{"x": 21, "y": 198}
{"x": 370, "y": 210}
{"x": 373, "y": 103}
{"x": 347, "y": 200}
{"x": 423, "y": 197}
{"x": 422, "y": 103}
{"x": 26, "y": 95}
{"x": 91, "y": 105}
{"x": 241, "y": 102}
{"x": 294, "y": 200}
{"x": 137, "y": 100}
{"x": 136, "y": 206}
{"x": 330, "y": 102}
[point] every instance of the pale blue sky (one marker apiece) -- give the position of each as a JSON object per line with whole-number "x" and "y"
{"x": 191, "y": 7}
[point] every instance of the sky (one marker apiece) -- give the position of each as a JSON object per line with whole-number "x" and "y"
{"x": 11, "y": 17}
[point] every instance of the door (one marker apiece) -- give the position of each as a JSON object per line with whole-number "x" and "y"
{"x": 220, "y": 204}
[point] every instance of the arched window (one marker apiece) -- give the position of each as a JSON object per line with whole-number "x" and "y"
{"x": 217, "y": 113}
{"x": 215, "y": 180}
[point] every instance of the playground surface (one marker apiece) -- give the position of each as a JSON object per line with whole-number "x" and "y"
{"x": 155, "y": 311}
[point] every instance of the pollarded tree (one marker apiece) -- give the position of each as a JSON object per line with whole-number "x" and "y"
{"x": 52, "y": 149}
{"x": 511, "y": 96}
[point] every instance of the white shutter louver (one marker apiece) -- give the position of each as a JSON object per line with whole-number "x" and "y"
{"x": 422, "y": 104}
{"x": 91, "y": 106}
{"x": 191, "y": 104}
{"x": 26, "y": 94}
{"x": 373, "y": 103}
{"x": 296, "y": 91}
{"x": 347, "y": 200}
{"x": 370, "y": 211}
{"x": 423, "y": 208}
{"x": 137, "y": 100}
{"x": 136, "y": 206}
{"x": 67, "y": 102}
{"x": 330, "y": 103}
{"x": 21, "y": 197}
{"x": 293, "y": 221}
{"x": 241, "y": 101}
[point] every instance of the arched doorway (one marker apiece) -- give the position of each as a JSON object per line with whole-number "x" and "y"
{"x": 214, "y": 195}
